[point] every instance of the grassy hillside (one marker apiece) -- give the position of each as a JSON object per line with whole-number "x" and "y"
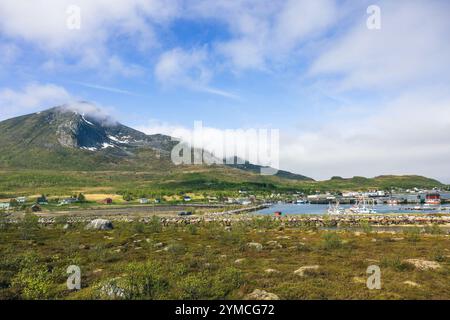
{"x": 184, "y": 179}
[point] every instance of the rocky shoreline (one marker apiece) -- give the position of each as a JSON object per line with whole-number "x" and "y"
{"x": 289, "y": 221}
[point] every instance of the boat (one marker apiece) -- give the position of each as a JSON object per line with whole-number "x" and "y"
{"x": 335, "y": 209}
{"x": 392, "y": 202}
{"x": 363, "y": 206}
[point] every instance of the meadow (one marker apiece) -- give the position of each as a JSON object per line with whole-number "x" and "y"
{"x": 213, "y": 261}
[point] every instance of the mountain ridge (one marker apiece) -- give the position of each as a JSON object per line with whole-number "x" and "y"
{"x": 52, "y": 138}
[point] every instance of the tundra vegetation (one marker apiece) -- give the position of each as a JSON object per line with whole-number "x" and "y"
{"x": 150, "y": 260}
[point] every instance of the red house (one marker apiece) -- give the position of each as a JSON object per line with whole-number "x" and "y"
{"x": 107, "y": 201}
{"x": 433, "y": 199}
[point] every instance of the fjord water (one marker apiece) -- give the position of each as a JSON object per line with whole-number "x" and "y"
{"x": 288, "y": 208}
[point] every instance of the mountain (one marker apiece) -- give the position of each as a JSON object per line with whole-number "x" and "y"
{"x": 62, "y": 138}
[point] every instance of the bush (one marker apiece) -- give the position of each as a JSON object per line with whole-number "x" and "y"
{"x": 33, "y": 281}
{"x": 331, "y": 240}
{"x": 4, "y": 224}
{"x": 81, "y": 198}
{"x": 142, "y": 281}
{"x": 266, "y": 223}
{"x": 145, "y": 281}
{"x": 412, "y": 234}
{"x": 194, "y": 287}
{"x": 137, "y": 227}
{"x": 192, "y": 229}
{"x": 155, "y": 225}
{"x": 176, "y": 249}
{"x": 433, "y": 229}
{"x": 395, "y": 263}
{"x": 207, "y": 286}
{"x": 366, "y": 227}
{"x": 28, "y": 226}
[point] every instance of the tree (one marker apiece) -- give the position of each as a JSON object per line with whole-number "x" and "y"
{"x": 81, "y": 197}
{"x": 13, "y": 203}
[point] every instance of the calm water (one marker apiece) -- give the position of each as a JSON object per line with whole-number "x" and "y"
{"x": 287, "y": 208}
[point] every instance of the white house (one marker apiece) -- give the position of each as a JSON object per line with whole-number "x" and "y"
{"x": 4, "y": 205}
{"x": 143, "y": 201}
{"x": 21, "y": 199}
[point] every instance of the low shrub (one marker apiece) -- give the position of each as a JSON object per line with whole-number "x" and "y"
{"x": 331, "y": 240}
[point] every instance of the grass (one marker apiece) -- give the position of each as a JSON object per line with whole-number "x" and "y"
{"x": 215, "y": 181}
{"x": 151, "y": 261}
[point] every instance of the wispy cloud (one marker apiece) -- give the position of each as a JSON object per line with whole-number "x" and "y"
{"x": 188, "y": 69}
{"x": 106, "y": 88}
{"x": 32, "y": 97}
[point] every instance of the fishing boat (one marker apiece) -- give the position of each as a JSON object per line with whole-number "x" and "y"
{"x": 335, "y": 209}
{"x": 363, "y": 206}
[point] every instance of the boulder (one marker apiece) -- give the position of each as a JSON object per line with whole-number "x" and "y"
{"x": 112, "y": 289}
{"x": 301, "y": 271}
{"x": 272, "y": 271}
{"x": 258, "y": 294}
{"x": 424, "y": 264}
{"x": 255, "y": 245}
{"x": 411, "y": 283}
{"x": 100, "y": 224}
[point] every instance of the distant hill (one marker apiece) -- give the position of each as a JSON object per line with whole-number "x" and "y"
{"x": 383, "y": 182}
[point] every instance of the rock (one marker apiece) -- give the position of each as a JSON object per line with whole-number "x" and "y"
{"x": 374, "y": 240}
{"x": 159, "y": 245}
{"x": 359, "y": 280}
{"x": 357, "y": 233}
{"x": 100, "y": 224}
{"x": 223, "y": 256}
{"x": 411, "y": 283}
{"x": 272, "y": 271}
{"x": 113, "y": 290}
{"x": 301, "y": 271}
{"x": 255, "y": 245}
{"x": 97, "y": 270}
{"x": 398, "y": 239}
{"x": 424, "y": 264}
{"x": 239, "y": 261}
{"x": 66, "y": 226}
{"x": 83, "y": 247}
{"x": 262, "y": 295}
{"x": 284, "y": 237}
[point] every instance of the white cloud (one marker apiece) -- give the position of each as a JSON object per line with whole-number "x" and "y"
{"x": 409, "y": 49}
{"x": 178, "y": 67}
{"x": 43, "y": 24}
{"x": 100, "y": 113}
{"x": 267, "y": 31}
{"x": 253, "y": 144}
{"x": 30, "y": 98}
{"x": 409, "y": 135}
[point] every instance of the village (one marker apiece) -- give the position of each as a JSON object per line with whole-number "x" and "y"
{"x": 414, "y": 198}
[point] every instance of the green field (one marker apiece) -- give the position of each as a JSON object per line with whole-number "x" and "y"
{"x": 214, "y": 180}
{"x": 209, "y": 261}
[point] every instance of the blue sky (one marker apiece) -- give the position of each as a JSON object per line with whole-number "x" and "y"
{"x": 347, "y": 100}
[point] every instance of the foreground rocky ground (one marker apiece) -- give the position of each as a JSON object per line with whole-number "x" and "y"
{"x": 248, "y": 258}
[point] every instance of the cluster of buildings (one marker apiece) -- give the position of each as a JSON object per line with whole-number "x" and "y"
{"x": 413, "y": 196}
